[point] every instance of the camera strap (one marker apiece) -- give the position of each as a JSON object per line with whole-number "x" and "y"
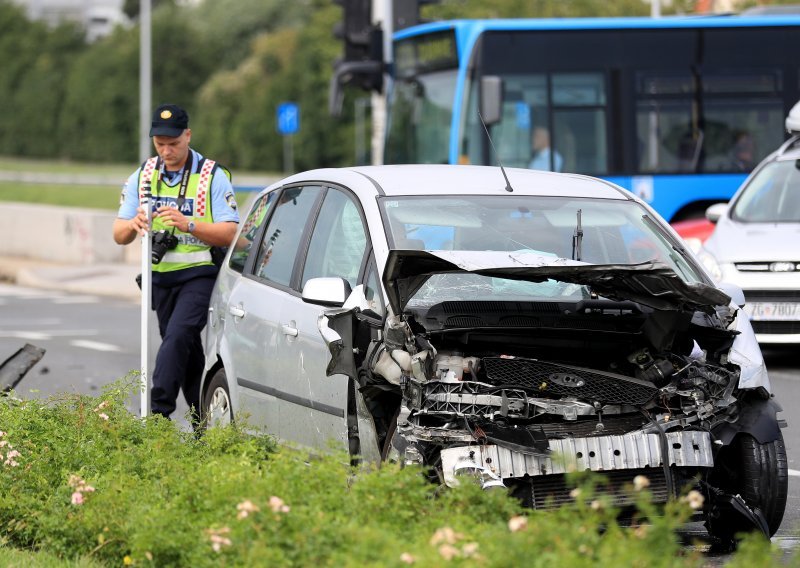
{"x": 187, "y": 172}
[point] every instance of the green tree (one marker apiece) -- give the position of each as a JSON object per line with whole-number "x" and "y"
{"x": 238, "y": 106}
{"x": 35, "y": 61}
{"x": 100, "y": 112}
{"x": 449, "y": 9}
{"x": 40, "y": 94}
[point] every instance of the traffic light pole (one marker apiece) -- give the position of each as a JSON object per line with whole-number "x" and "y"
{"x": 382, "y": 11}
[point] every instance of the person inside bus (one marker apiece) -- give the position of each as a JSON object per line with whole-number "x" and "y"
{"x": 743, "y": 153}
{"x": 543, "y": 157}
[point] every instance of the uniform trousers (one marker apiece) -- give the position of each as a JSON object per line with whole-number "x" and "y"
{"x": 182, "y": 312}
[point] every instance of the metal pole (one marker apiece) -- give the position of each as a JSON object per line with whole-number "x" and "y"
{"x": 145, "y": 79}
{"x": 381, "y": 14}
{"x": 360, "y": 104}
{"x": 288, "y": 153}
{"x": 144, "y": 375}
{"x": 655, "y": 8}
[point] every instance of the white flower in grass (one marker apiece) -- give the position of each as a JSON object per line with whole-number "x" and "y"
{"x": 245, "y": 508}
{"x": 641, "y": 482}
{"x": 517, "y": 523}
{"x": 277, "y": 505}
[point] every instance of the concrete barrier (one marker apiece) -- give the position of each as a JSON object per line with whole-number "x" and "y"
{"x": 69, "y": 235}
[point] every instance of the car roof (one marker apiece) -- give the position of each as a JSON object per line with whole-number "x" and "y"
{"x": 432, "y": 179}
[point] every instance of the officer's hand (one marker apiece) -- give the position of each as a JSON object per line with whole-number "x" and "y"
{"x": 139, "y": 222}
{"x": 173, "y": 218}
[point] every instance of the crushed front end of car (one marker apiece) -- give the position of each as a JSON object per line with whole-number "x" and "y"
{"x": 621, "y": 369}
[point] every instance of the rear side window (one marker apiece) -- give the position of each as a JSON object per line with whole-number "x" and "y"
{"x": 243, "y": 246}
{"x": 283, "y": 235}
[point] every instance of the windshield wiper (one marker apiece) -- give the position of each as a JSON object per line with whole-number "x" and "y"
{"x": 577, "y": 239}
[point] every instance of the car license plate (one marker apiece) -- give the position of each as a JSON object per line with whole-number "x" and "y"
{"x": 773, "y": 311}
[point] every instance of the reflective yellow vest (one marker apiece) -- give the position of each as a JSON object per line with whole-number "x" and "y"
{"x": 190, "y": 250}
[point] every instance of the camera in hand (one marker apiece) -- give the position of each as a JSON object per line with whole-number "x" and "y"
{"x": 162, "y": 242}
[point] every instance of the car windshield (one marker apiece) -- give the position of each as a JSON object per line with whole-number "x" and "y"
{"x": 613, "y": 232}
{"x": 772, "y": 196}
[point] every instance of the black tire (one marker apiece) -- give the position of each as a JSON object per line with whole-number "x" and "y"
{"x": 764, "y": 477}
{"x": 759, "y": 474}
{"x": 217, "y": 408}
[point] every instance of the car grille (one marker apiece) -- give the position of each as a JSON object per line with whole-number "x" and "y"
{"x": 776, "y": 327}
{"x": 547, "y": 378}
{"x": 759, "y": 266}
{"x": 586, "y": 427}
{"x": 552, "y": 491}
{"x": 772, "y": 295}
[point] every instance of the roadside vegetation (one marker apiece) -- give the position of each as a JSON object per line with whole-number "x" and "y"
{"x": 86, "y": 483}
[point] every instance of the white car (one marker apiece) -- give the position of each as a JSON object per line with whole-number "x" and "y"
{"x": 756, "y": 242}
{"x": 483, "y": 326}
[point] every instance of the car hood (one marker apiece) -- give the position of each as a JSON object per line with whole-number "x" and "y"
{"x": 753, "y": 242}
{"x": 649, "y": 283}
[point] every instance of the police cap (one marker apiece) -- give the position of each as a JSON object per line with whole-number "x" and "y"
{"x": 169, "y": 120}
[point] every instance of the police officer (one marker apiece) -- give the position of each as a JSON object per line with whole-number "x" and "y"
{"x": 193, "y": 201}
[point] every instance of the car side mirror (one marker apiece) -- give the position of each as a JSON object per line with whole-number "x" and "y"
{"x": 716, "y": 211}
{"x": 734, "y": 291}
{"x": 326, "y": 291}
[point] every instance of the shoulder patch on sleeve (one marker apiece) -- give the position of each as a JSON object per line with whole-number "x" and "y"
{"x": 230, "y": 199}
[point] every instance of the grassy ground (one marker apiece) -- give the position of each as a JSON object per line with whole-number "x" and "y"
{"x": 92, "y": 196}
{"x": 104, "y": 195}
{"x": 13, "y": 164}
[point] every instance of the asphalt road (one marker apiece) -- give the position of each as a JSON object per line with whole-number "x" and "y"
{"x": 93, "y": 342}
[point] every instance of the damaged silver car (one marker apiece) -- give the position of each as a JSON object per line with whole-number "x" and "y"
{"x": 520, "y": 328}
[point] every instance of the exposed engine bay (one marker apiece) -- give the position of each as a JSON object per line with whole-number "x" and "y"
{"x": 573, "y": 389}
{"x": 514, "y": 394}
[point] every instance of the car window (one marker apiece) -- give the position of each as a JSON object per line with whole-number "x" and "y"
{"x": 281, "y": 241}
{"x": 244, "y": 244}
{"x": 372, "y": 291}
{"x": 339, "y": 240}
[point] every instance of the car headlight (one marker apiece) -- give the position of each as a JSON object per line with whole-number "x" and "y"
{"x": 693, "y": 244}
{"x": 710, "y": 264}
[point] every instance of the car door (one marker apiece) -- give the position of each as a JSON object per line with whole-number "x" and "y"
{"x": 316, "y": 409}
{"x": 255, "y": 304}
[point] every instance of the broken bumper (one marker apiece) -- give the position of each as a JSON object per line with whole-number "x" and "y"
{"x": 599, "y": 453}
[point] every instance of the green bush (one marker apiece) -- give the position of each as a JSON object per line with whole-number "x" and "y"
{"x": 85, "y": 481}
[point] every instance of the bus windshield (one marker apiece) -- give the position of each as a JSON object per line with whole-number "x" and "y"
{"x": 421, "y": 111}
{"x": 421, "y": 105}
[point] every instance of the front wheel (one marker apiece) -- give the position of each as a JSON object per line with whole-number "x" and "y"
{"x": 759, "y": 474}
{"x": 765, "y": 478}
{"x": 217, "y": 408}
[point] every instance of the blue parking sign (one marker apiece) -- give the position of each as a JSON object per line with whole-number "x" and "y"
{"x": 288, "y": 117}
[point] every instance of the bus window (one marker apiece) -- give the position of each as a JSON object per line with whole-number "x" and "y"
{"x": 579, "y": 122}
{"x": 569, "y": 109}
{"x": 729, "y": 127}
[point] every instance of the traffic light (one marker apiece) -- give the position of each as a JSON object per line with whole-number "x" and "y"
{"x": 405, "y": 13}
{"x": 362, "y": 64}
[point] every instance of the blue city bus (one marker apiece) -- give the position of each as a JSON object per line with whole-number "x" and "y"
{"x": 676, "y": 109}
